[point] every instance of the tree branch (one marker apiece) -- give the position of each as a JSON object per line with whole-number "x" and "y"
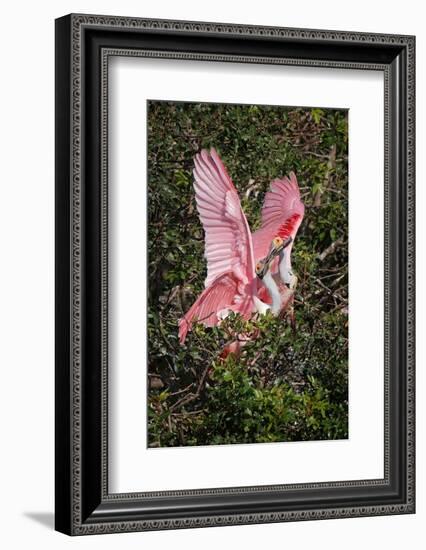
{"x": 330, "y": 249}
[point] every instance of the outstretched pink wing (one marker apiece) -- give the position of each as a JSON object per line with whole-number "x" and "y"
{"x": 228, "y": 240}
{"x": 222, "y": 294}
{"x": 282, "y": 214}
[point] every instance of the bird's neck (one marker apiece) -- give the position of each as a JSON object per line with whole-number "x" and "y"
{"x": 273, "y": 290}
{"x": 284, "y": 266}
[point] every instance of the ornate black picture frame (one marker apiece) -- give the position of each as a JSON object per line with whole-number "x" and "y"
{"x": 84, "y": 44}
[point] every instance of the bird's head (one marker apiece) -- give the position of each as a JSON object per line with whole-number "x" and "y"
{"x": 278, "y": 244}
{"x": 261, "y": 268}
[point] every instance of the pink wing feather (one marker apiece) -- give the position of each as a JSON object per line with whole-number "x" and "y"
{"x": 222, "y": 294}
{"x": 228, "y": 240}
{"x": 282, "y": 214}
{"x": 231, "y": 281}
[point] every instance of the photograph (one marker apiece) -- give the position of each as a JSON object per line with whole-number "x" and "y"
{"x": 248, "y": 302}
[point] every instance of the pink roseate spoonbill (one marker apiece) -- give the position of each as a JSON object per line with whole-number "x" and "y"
{"x": 282, "y": 214}
{"x": 230, "y": 248}
{"x": 274, "y": 291}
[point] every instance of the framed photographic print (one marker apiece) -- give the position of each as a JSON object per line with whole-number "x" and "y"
{"x": 234, "y": 274}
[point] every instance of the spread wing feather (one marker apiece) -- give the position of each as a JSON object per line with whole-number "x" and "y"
{"x": 282, "y": 214}
{"x": 228, "y": 241}
{"x": 222, "y": 294}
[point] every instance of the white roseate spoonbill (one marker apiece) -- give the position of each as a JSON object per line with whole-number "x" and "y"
{"x": 232, "y": 250}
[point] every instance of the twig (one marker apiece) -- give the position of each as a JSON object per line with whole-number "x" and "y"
{"x": 181, "y": 391}
{"x": 203, "y": 377}
{"x": 308, "y": 152}
{"x": 191, "y": 396}
{"x": 185, "y": 413}
{"x": 186, "y": 399}
{"x": 331, "y": 167}
{"x": 332, "y": 270}
{"x": 163, "y": 335}
{"x": 336, "y": 281}
{"x": 330, "y": 249}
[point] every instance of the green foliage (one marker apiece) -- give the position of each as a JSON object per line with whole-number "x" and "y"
{"x": 287, "y": 385}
